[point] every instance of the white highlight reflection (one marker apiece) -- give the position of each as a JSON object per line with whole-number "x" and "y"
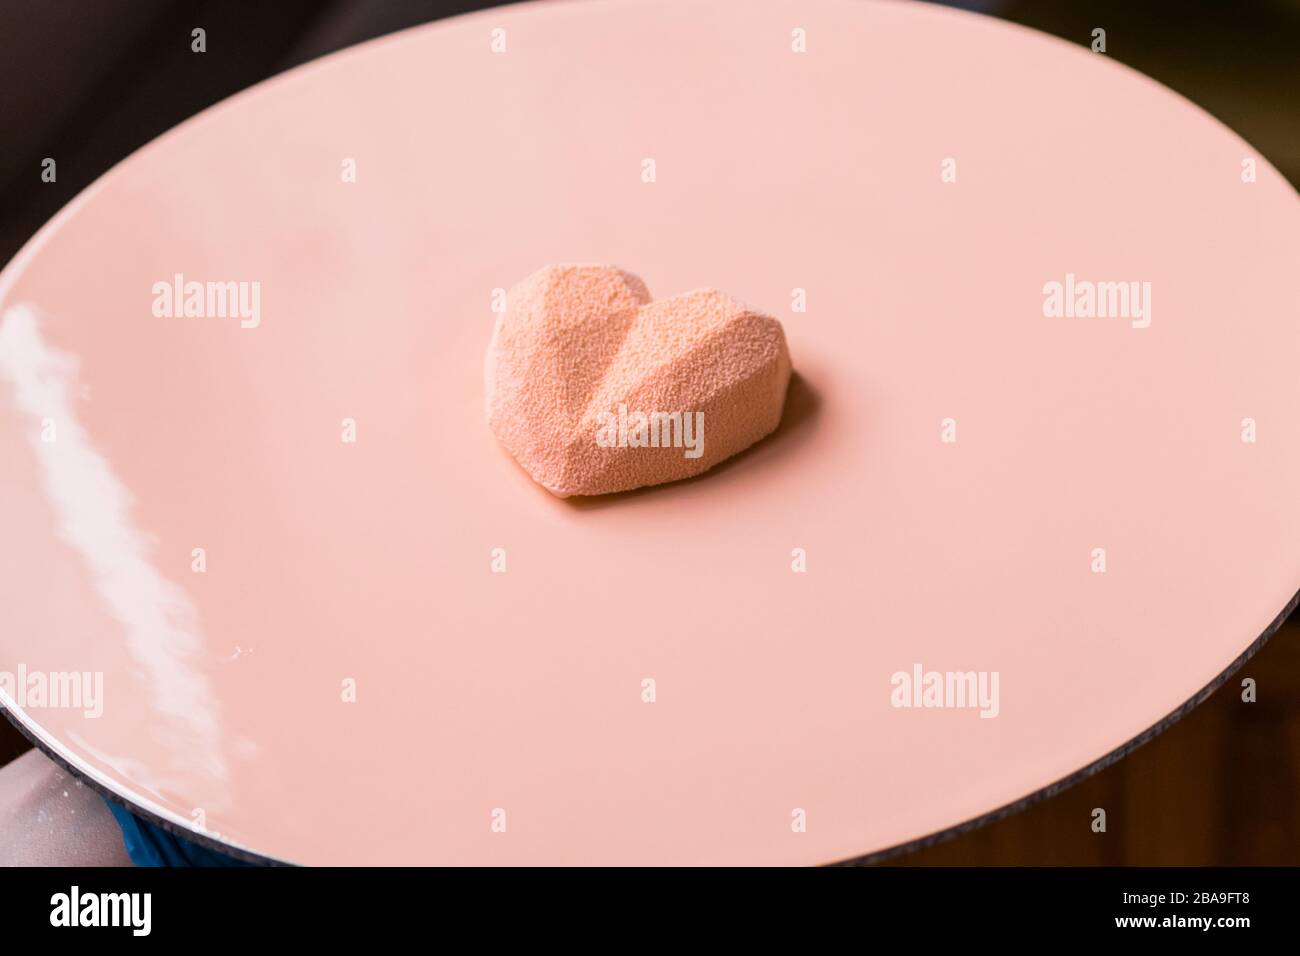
{"x": 93, "y": 508}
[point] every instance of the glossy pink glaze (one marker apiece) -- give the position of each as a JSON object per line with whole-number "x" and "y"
{"x": 372, "y": 560}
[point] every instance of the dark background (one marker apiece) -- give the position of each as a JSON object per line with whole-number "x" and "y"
{"x": 89, "y": 81}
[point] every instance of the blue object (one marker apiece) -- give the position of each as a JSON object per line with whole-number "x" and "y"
{"x": 150, "y": 845}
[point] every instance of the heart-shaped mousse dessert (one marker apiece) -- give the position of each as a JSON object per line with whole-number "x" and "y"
{"x": 594, "y": 388}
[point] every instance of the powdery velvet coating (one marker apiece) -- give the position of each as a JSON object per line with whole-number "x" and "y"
{"x": 576, "y": 341}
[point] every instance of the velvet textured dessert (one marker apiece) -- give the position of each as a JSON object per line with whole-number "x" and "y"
{"x": 594, "y": 388}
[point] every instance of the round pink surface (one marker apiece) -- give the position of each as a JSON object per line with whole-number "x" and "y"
{"x": 128, "y": 440}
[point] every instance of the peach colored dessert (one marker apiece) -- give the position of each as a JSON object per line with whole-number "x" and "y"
{"x": 594, "y": 388}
